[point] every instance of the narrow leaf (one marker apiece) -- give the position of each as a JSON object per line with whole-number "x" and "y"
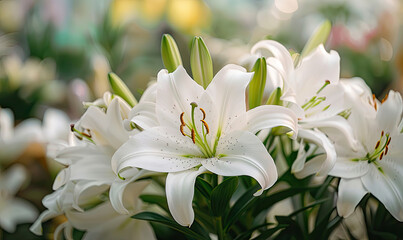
{"x": 154, "y": 217}
{"x": 161, "y": 201}
{"x": 221, "y": 195}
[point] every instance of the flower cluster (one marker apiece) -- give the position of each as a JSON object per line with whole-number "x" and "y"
{"x": 200, "y": 130}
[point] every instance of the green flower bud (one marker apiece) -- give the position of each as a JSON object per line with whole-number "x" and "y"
{"x": 274, "y": 98}
{"x": 319, "y": 37}
{"x": 170, "y": 53}
{"x": 119, "y": 88}
{"x": 258, "y": 83}
{"x": 200, "y": 62}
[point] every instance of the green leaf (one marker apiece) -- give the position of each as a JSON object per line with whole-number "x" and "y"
{"x": 161, "y": 201}
{"x": 170, "y": 53}
{"x": 240, "y": 206}
{"x": 78, "y": 234}
{"x": 248, "y": 233}
{"x": 200, "y": 62}
{"x": 221, "y": 195}
{"x": 154, "y": 217}
{"x": 258, "y": 83}
{"x": 268, "y": 201}
{"x": 269, "y": 232}
{"x": 203, "y": 187}
{"x": 319, "y": 37}
{"x": 120, "y": 88}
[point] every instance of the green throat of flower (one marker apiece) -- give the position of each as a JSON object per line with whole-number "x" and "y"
{"x": 198, "y": 138}
{"x": 315, "y": 101}
{"x": 380, "y": 150}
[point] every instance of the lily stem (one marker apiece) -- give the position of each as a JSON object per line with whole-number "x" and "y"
{"x": 220, "y": 230}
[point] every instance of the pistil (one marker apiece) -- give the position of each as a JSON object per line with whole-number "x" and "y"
{"x": 199, "y": 140}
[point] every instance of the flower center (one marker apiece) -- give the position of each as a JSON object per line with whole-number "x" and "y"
{"x": 380, "y": 150}
{"x": 190, "y": 130}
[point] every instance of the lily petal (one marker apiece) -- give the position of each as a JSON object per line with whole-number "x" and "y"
{"x": 346, "y": 168}
{"x": 338, "y": 129}
{"x": 159, "y": 149}
{"x": 180, "y": 191}
{"x": 350, "y": 194}
{"x": 118, "y": 187}
{"x": 227, "y": 89}
{"x": 242, "y": 153}
{"x": 325, "y": 163}
{"x": 267, "y": 116}
{"x": 176, "y": 91}
{"x": 15, "y": 212}
{"x": 387, "y": 186}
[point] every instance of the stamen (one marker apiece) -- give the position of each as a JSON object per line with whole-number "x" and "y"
{"x": 181, "y": 129}
{"x": 388, "y": 141}
{"x": 181, "y": 118}
{"x": 377, "y": 144}
{"x": 193, "y": 136}
{"x": 374, "y": 98}
{"x": 206, "y": 126}
{"x": 380, "y": 158}
{"x": 327, "y": 82}
{"x": 385, "y": 98}
{"x": 382, "y": 133}
{"x": 386, "y": 150}
{"x": 204, "y": 113}
{"x": 72, "y": 127}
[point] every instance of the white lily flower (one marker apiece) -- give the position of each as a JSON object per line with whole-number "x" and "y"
{"x": 377, "y": 165}
{"x": 312, "y": 91}
{"x": 14, "y": 210}
{"x": 100, "y": 220}
{"x": 13, "y": 141}
{"x": 203, "y": 131}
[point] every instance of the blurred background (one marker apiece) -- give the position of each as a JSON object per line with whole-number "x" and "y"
{"x": 55, "y": 54}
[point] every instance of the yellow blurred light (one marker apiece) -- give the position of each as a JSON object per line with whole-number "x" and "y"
{"x": 153, "y": 10}
{"x": 123, "y": 10}
{"x": 188, "y": 15}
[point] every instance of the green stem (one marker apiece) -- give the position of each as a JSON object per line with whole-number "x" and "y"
{"x": 220, "y": 231}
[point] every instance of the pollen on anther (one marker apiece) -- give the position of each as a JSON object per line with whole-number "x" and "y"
{"x": 377, "y": 144}
{"x": 204, "y": 113}
{"x": 374, "y": 98}
{"x": 382, "y": 133}
{"x": 193, "y": 136}
{"x": 181, "y": 129}
{"x": 181, "y": 118}
{"x": 388, "y": 141}
{"x": 386, "y": 150}
{"x": 385, "y": 98}
{"x": 206, "y": 126}
{"x": 72, "y": 127}
{"x": 380, "y": 157}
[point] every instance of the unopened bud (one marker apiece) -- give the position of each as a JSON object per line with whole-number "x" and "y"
{"x": 258, "y": 83}
{"x": 170, "y": 53}
{"x": 319, "y": 37}
{"x": 119, "y": 88}
{"x": 200, "y": 62}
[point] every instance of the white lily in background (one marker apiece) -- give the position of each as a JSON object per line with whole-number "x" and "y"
{"x": 377, "y": 165}
{"x": 100, "y": 220}
{"x": 14, "y": 210}
{"x": 203, "y": 131}
{"x": 13, "y": 141}
{"x": 311, "y": 90}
